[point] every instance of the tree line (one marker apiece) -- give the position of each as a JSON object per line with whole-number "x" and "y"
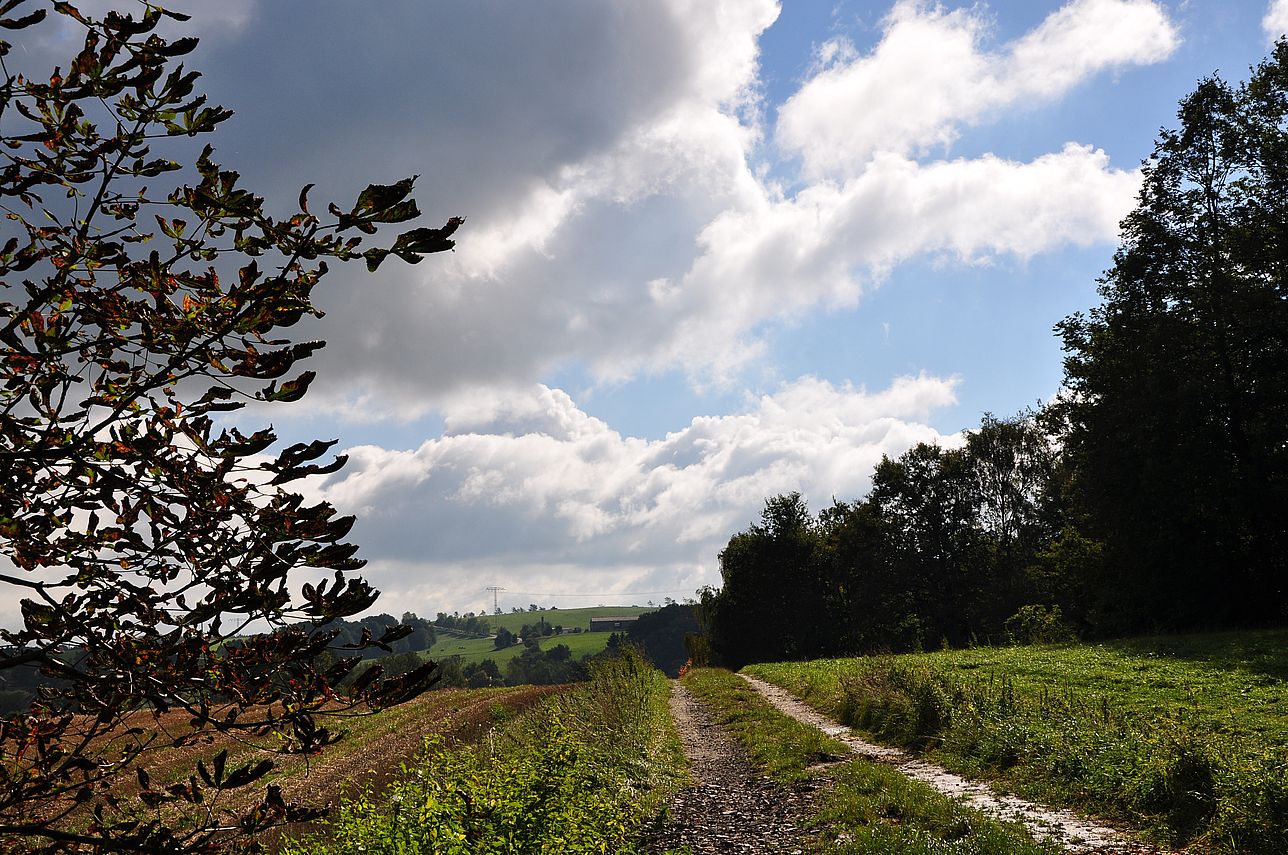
{"x": 363, "y": 638}
{"x": 1150, "y": 495}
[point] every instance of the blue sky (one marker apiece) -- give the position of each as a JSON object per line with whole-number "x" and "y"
{"x": 714, "y": 252}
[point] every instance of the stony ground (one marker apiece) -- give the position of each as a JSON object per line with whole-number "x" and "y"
{"x": 731, "y": 807}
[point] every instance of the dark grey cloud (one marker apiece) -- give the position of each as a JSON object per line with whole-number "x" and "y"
{"x": 490, "y": 103}
{"x": 478, "y": 97}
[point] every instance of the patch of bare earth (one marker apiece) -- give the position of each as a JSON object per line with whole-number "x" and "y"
{"x": 1073, "y": 832}
{"x": 730, "y": 807}
{"x": 372, "y": 759}
{"x": 369, "y": 756}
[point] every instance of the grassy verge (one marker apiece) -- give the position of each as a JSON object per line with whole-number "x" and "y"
{"x": 579, "y": 773}
{"x": 1185, "y": 737}
{"x": 869, "y": 809}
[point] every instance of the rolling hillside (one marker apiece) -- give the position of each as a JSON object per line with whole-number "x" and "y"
{"x": 567, "y": 618}
{"x": 472, "y": 650}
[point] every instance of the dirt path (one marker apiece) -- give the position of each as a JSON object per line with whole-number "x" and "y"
{"x": 730, "y": 807}
{"x": 1073, "y": 832}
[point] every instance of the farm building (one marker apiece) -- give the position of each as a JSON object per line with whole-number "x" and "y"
{"x": 611, "y": 624}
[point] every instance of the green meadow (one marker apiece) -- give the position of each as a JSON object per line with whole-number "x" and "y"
{"x": 567, "y": 618}
{"x": 1185, "y": 736}
{"x": 473, "y": 650}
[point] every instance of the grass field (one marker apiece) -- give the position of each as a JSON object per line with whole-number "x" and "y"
{"x": 1183, "y": 735}
{"x": 579, "y": 773}
{"x": 567, "y": 618}
{"x": 472, "y": 650}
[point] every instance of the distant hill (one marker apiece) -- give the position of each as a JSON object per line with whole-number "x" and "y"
{"x": 567, "y": 618}
{"x": 474, "y": 650}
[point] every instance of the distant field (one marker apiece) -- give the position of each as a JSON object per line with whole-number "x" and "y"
{"x": 1187, "y": 735}
{"x": 473, "y": 650}
{"x": 568, "y": 618}
{"x": 469, "y": 649}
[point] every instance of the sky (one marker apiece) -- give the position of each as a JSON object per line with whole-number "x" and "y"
{"x": 714, "y": 252}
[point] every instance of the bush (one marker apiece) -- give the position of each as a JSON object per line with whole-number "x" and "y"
{"x": 1038, "y": 624}
{"x": 908, "y": 705}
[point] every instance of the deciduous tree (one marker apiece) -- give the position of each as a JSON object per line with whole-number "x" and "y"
{"x": 156, "y": 545}
{"x": 1179, "y": 408}
{"x": 773, "y": 603}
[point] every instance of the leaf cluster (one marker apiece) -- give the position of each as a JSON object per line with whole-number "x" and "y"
{"x": 155, "y": 545}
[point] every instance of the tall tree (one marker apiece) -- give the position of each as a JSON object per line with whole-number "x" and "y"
{"x": 1018, "y": 510}
{"x": 928, "y": 499}
{"x": 155, "y": 550}
{"x": 875, "y": 607}
{"x": 773, "y": 603}
{"x": 1178, "y": 412}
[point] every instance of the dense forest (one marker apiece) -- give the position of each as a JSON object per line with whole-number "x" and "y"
{"x": 1149, "y": 495}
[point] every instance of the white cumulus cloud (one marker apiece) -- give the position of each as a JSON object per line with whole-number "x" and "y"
{"x": 931, "y": 74}
{"x": 528, "y": 491}
{"x": 822, "y": 245}
{"x": 1275, "y": 23}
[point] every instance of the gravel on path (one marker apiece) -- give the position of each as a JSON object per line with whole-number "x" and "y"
{"x": 1076, "y": 834}
{"x": 730, "y": 807}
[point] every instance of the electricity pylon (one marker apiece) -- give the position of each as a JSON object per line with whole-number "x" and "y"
{"x": 495, "y": 590}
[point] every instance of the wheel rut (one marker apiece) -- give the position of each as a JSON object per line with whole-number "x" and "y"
{"x": 730, "y": 807}
{"x": 1074, "y": 833}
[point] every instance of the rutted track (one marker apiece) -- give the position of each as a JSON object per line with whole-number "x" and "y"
{"x": 1074, "y": 833}
{"x": 730, "y": 807}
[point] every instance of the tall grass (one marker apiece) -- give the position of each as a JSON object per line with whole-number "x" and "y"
{"x": 868, "y": 809}
{"x": 579, "y": 773}
{"x": 1142, "y": 741}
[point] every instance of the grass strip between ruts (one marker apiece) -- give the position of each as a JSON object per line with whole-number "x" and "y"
{"x": 868, "y": 809}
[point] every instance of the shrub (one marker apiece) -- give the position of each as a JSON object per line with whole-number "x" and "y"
{"x": 1038, "y": 624}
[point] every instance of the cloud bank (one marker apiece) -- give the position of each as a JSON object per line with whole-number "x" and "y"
{"x": 527, "y": 491}
{"x": 616, "y": 172}
{"x": 637, "y": 208}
